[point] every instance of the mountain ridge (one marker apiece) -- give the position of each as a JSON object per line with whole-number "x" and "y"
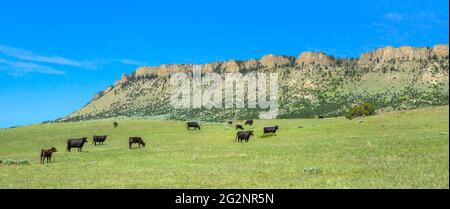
{"x": 412, "y": 64}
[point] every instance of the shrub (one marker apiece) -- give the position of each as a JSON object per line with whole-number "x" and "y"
{"x": 8, "y": 162}
{"x": 364, "y": 109}
{"x": 14, "y": 162}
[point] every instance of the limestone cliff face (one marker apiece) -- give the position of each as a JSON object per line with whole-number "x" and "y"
{"x": 381, "y": 55}
{"x": 272, "y": 61}
{"x": 440, "y": 50}
{"x": 404, "y": 53}
{"x": 162, "y": 70}
{"x": 314, "y": 58}
{"x": 229, "y": 66}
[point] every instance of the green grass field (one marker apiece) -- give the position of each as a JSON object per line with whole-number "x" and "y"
{"x": 391, "y": 150}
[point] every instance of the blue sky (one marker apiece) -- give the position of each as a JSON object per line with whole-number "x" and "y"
{"x": 55, "y": 55}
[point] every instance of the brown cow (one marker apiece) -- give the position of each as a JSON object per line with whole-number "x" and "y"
{"x": 136, "y": 140}
{"x": 47, "y": 154}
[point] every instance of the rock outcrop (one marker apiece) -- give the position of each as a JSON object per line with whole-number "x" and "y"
{"x": 440, "y": 50}
{"x": 308, "y": 58}
{"x": 124, "y": 79}
{"x": 272, "y": 61}
{"x": 229, "y": 66}
{"x": 102, "y": 93}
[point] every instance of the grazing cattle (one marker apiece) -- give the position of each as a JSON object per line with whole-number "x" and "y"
{"x": 193, "y": 125}
{"x": 249, "y": 122}
{"x": 115, "y": 124}
{"x": 270, "y": 129}
{"x": 98, "y": 139}
{"x": 78, "y": 143}
{"x": 136, "y": 140}
{"x": 239, "y": 127}
{"x": 243, "y": 136}
{"x": 230, "y": 122}
{"x": 47, "y": 154}
{"x": 321, "y": 117}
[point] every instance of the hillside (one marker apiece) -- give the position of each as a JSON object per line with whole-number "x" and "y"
{"x": 406, "y": 149}
{"x": 312, "y": 84}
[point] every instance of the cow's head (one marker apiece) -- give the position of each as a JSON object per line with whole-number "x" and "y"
{"x": 143, "y": 144}
{"x": 53, "y": 149}
{"x": 84, "y": 139}
{"x": 250, "y": 133}
{"x": 276, "y": 127}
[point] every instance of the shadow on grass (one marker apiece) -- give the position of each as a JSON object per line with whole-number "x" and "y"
{"x": 267, "y": 135}
{"x": 136, "y": 148}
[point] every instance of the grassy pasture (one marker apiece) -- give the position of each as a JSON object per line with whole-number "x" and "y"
{"x": 407, "y": 149}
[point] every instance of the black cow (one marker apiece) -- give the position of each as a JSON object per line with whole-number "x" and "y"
{"x": 136, "y": 140}
{"x": 47, "y": 154}
{"x": 76, "y": 143}
{"x": 243, "y": 136}
{"x": 98, "y": 139}
{"x": 115, "y": 124}
{"x": 321, "y": 117}
{"x": 249, "y": 122}
{"x": 194, "y": 125}
{"x": 230, "y": 122}
{"x": 270, "y": 129}
{"x": 239, "y": 127}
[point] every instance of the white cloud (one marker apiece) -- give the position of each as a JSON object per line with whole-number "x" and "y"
{"x": 26, "y": 55}
{"x": 19, "y": 68}
{"x": 132, "y": 62}
{"x": 25, "y": 62}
